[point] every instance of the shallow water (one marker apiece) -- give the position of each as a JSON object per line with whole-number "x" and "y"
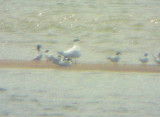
{"x": 54, "y": 93}
{"x": 104, "y": 27}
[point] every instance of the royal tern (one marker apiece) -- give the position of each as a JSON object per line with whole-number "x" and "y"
{"x": 73, "y": 52}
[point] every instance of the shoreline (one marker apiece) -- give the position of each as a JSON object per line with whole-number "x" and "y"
{"x": 79, "y": 67}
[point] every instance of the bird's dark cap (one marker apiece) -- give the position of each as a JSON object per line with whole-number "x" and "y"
{"x": 38, "y": 47}
{"x": 75, "y": 40}
{"x": 146, "y": 54}
{"x": 118, "y": 53}
{"x": 46, "y": 51}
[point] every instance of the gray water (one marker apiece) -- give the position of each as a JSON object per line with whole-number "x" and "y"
{"x": 104, "y": 27}
{"x": 78, "y": 94}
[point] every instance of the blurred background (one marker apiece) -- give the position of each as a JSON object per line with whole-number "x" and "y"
{"x": 104, "y": 26}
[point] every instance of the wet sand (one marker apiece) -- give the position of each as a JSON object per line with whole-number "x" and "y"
{"x": 80, "y": 67}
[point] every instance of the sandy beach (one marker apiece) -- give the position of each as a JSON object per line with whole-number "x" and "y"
{"x": 79, "y": 67}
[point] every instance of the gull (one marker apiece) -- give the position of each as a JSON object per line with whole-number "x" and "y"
{"x": 115, "y": 59}
{"x": 73, "y": 52}
{"x": 144, "y": 59}
{"x": 40, "y": 54}
{"x": 58, "y": 60}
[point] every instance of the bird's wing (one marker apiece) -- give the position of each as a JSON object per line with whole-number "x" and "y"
{"x": 71, "y": 53}
{"x": 70, "y": 50}
{"x": 67, "y": 52}
{"x": 114, "y": 59}
{"x": 143, "y": 59}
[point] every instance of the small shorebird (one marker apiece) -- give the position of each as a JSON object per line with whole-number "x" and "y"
{"x": 40, "y": 54}
{"x": 144, "y": 59}
{"x": 114, "y": 59}
{"x": 73, "y": 52}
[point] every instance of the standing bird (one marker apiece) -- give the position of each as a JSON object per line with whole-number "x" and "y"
{"x": 114, "y": 59}
{"x": 144, "y": 59}
{"x": 40, "y": 54}
{"x": 73, "y": 52}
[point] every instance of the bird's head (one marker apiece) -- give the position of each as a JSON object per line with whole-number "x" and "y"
{"x": 76, "y": 40}
{"x": 118, "y": 53}
{"x": 146, "y": 54}
{"x": 46, "y": 51}
{"x": 39, "y": 47}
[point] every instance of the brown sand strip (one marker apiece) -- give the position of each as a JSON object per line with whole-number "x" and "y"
{"x": 79, "y": 67}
